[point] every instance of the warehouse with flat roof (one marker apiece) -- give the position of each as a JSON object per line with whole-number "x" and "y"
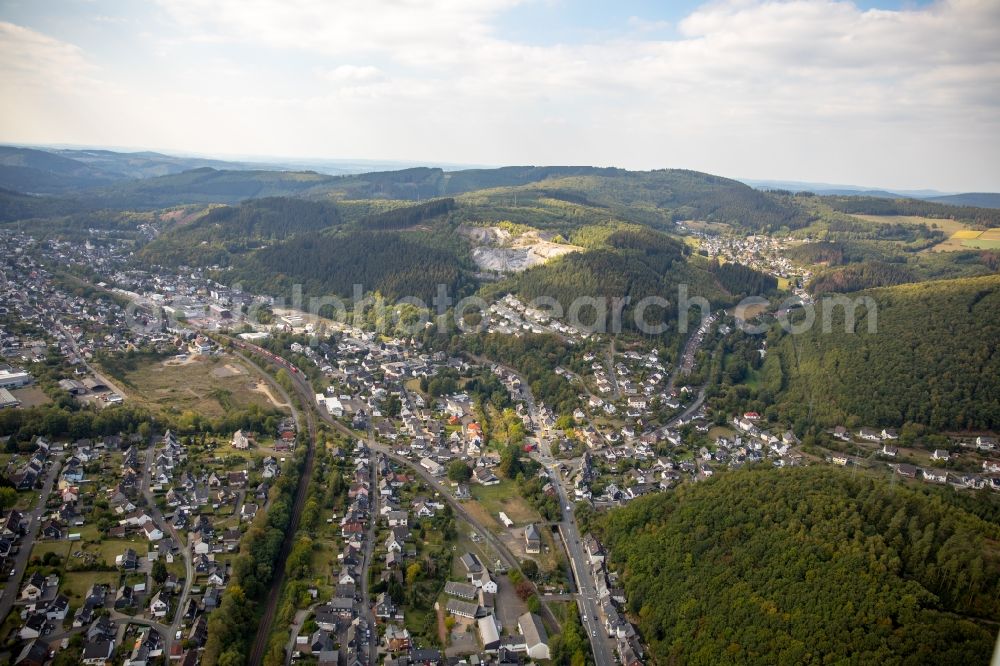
{"x": 14, "y": 379}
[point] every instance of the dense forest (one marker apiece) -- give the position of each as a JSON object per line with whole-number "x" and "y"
{"x": 15, "y": 206}
{"x": 880, "y": 263}
{"x": 401, "y": 218}
{"x": 823, "y": 252}
{"x": 864, "y": 275}
{"x": 392, "y": 263}
{"x": 270, "y": 218}
{"x": 807, "y": 566}
{"x": 741, "y": 281}
{"x": 205, "y": 185}
{"x": 933, "y": 360}
{"x": 229, "y": 230}
{"x": 987, "y": 217}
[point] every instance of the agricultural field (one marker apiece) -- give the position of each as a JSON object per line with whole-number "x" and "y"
{"x": 209, "y": 387}
{"x": 987, "y": 240}
{"x": 970, "y": 239}
{"x": 960, "y": 236}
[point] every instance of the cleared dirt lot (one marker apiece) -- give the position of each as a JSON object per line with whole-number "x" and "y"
{"x": 30, "y": 396}
{"x": 209, "y": 386}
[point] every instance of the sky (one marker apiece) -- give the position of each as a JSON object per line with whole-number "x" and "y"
{"x": 897, "y": 94}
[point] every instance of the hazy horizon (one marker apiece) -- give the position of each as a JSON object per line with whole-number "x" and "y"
{"x": 357, "y": 165}
{"x": 812, "y": 91}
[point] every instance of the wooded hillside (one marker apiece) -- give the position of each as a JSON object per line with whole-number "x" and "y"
{"x": 807, "y": 566}
{"x": 933, "y": 360}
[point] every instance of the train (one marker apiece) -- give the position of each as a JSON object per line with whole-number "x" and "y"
{"x": 274, "y": 358}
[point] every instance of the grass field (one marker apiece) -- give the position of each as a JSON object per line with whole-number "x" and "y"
{"x": 88, "y": 532}
{"x": 210, "y": 387}
{"x": 76, "y": 584}
{"x": 721, "y": 431}
{"x": 60, "y": 548}
{"x": 504, "y": 497}
{"x": 982, "y": 244}
{"x": 109, "y": 549}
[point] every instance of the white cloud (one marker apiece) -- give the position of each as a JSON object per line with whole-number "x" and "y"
{"x": 29, "y": 59}
{"x": 353, "y": 74}
{"x": 336, "y": 27}
{"x": 804, "y": 89}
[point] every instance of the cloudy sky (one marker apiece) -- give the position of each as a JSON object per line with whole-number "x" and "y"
{"x": 892, "y": 93}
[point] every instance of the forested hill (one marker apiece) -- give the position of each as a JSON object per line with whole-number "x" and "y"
{"x": 658, "y": 197}
{"x": 632, "y": 263}
{"x": 524, "y": 194}
{"x": 985, "y": 216}
{"x": 205, "y": 185}
{"x": 934, "y": 360}
{"x": 393, "y": 264}
{"x": 807, "y": 566}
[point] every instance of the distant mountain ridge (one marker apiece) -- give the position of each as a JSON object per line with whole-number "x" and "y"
{"x": 977, "y": 199}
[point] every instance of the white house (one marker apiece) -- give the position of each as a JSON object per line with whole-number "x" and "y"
{"x": 158, "y": 607}
{"x": 535, "y": 638}
{"x": 484, "y": 581}
{"x": 240, "y": 441}
{"x": 432, "y": 466}
{"x": 153, "y": 533}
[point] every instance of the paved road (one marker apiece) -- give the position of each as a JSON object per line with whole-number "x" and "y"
{"x": 610, "y": 364}
{"x": 297, "y": 622}
{"x": 369, "y": 554}
{"x": 122, "y": 620}
{"x": 601, "y": 645}
{"x": 685, "y": 364}
{"x": 13, "y": 586}
{"x": 168, "y": 528}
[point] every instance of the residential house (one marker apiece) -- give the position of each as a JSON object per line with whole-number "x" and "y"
{"x": 241, "y": 441}
{"x": 532, "y": 539}
{"x": 536, "y": 639}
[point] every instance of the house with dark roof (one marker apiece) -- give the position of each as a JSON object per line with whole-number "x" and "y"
{"x": 532, "y": 539}
{"x": 98, "y": 652}
{"x": 34, "y": 653}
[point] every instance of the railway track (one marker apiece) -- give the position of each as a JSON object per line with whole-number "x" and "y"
{"x": 263, "y": 635}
